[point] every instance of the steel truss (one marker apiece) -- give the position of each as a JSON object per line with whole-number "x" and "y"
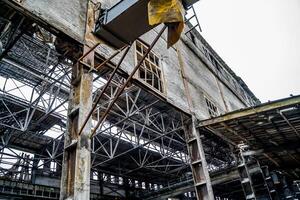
{"x": 140, "y": 135}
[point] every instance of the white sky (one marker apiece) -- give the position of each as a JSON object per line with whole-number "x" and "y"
{"x": 259, "y": 40}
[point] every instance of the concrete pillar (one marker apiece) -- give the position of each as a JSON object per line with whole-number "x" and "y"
{"x": 75, "y": 180}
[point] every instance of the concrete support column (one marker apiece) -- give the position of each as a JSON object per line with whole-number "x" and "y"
{"x": 75, "y": 180}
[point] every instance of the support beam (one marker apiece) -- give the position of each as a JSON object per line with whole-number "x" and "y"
{"x": 75, "y": 181}
{"x": 279, "y": 104}
{"x": 245, "y": 158}
{"x": 199, "y": 168}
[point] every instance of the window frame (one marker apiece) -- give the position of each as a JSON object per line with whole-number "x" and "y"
{"x": 155, "y": 66}
{"x": 212, "y": 108}
{"x": 53, "y": 166}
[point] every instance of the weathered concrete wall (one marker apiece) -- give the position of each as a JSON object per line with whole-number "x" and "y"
{"x": 70, "y": 17}
{"x": 232, "y": 103}
{"x": 202, "y": 82}
{"x": 65, "y": 15}
{"x": 171, "y": 69}
{"x": 47, "y": 181}
{"x": 95, "y": 188}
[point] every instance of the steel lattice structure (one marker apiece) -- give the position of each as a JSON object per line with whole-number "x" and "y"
{"x": 139, "y": 149}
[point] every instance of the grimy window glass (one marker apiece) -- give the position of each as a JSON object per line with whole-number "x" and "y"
{"x": 212, "y": 108}
{"x": 150, "y": 71}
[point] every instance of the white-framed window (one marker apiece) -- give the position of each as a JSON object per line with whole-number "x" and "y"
{"x": 95, "y": 176}
{"x": 136, "y": 184}
{"x": 112, "y": 179}
{"x": 150, "y": 72}
{"x": 121, "y": 181}
{"x": 104, "y": 177}
{"x": 143, "y": 185}
{"x": 53, "y": 166}
{"x": 211, "y": 107}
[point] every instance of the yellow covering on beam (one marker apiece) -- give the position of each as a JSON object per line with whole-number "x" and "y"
{"x": 169, "y": 12}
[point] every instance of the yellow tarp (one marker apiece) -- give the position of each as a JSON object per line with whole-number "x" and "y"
{"x": 169, "y": 12}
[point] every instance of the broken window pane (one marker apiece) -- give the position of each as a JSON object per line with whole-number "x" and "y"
{"x": 150, "y": 71}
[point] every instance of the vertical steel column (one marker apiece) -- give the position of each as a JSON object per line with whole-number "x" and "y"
{"x": 34, "y": 168}
{"x": 244, "y": 173}
{"x": 248, "y": 165}
{"x": 75, "y": 180}
{"x": 101, "y": 181}
{"x": 199, "y": 168}
{"x": 269, "y": 183}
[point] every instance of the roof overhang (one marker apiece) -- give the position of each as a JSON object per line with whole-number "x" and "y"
{"x": 272, "y": 130}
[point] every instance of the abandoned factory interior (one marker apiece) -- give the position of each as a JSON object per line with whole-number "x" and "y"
{"x": 126, "y": 100}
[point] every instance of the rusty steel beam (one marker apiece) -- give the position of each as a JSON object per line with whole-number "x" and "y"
{"x": 111, "y": 57}
{"x": 289, "y": 123}
{"x": 105, "y": 86}
{"x": 119, "y": 92}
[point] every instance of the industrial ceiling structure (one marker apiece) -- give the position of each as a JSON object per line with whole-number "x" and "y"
{"x": 144, "y": 147}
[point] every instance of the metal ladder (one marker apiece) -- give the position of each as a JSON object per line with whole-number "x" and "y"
{"x": 189, "y": 19}
{"x": 245, "y": 176}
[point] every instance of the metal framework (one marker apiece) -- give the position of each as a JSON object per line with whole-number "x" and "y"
{"x": 134, "y": 124}
{"x": 271, "y": 131}
{"x": 139, "y": 146}
{"x": 35, "y": 84}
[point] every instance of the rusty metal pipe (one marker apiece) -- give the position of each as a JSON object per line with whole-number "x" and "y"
{"x": 127, "y": 81}
{"x": 89, "y": 51}
{"x": 103, "y": 90}
{"x": 111, "y": 57}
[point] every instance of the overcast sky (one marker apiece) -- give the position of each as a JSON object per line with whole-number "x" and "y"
{"x": 259, "y": 40}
